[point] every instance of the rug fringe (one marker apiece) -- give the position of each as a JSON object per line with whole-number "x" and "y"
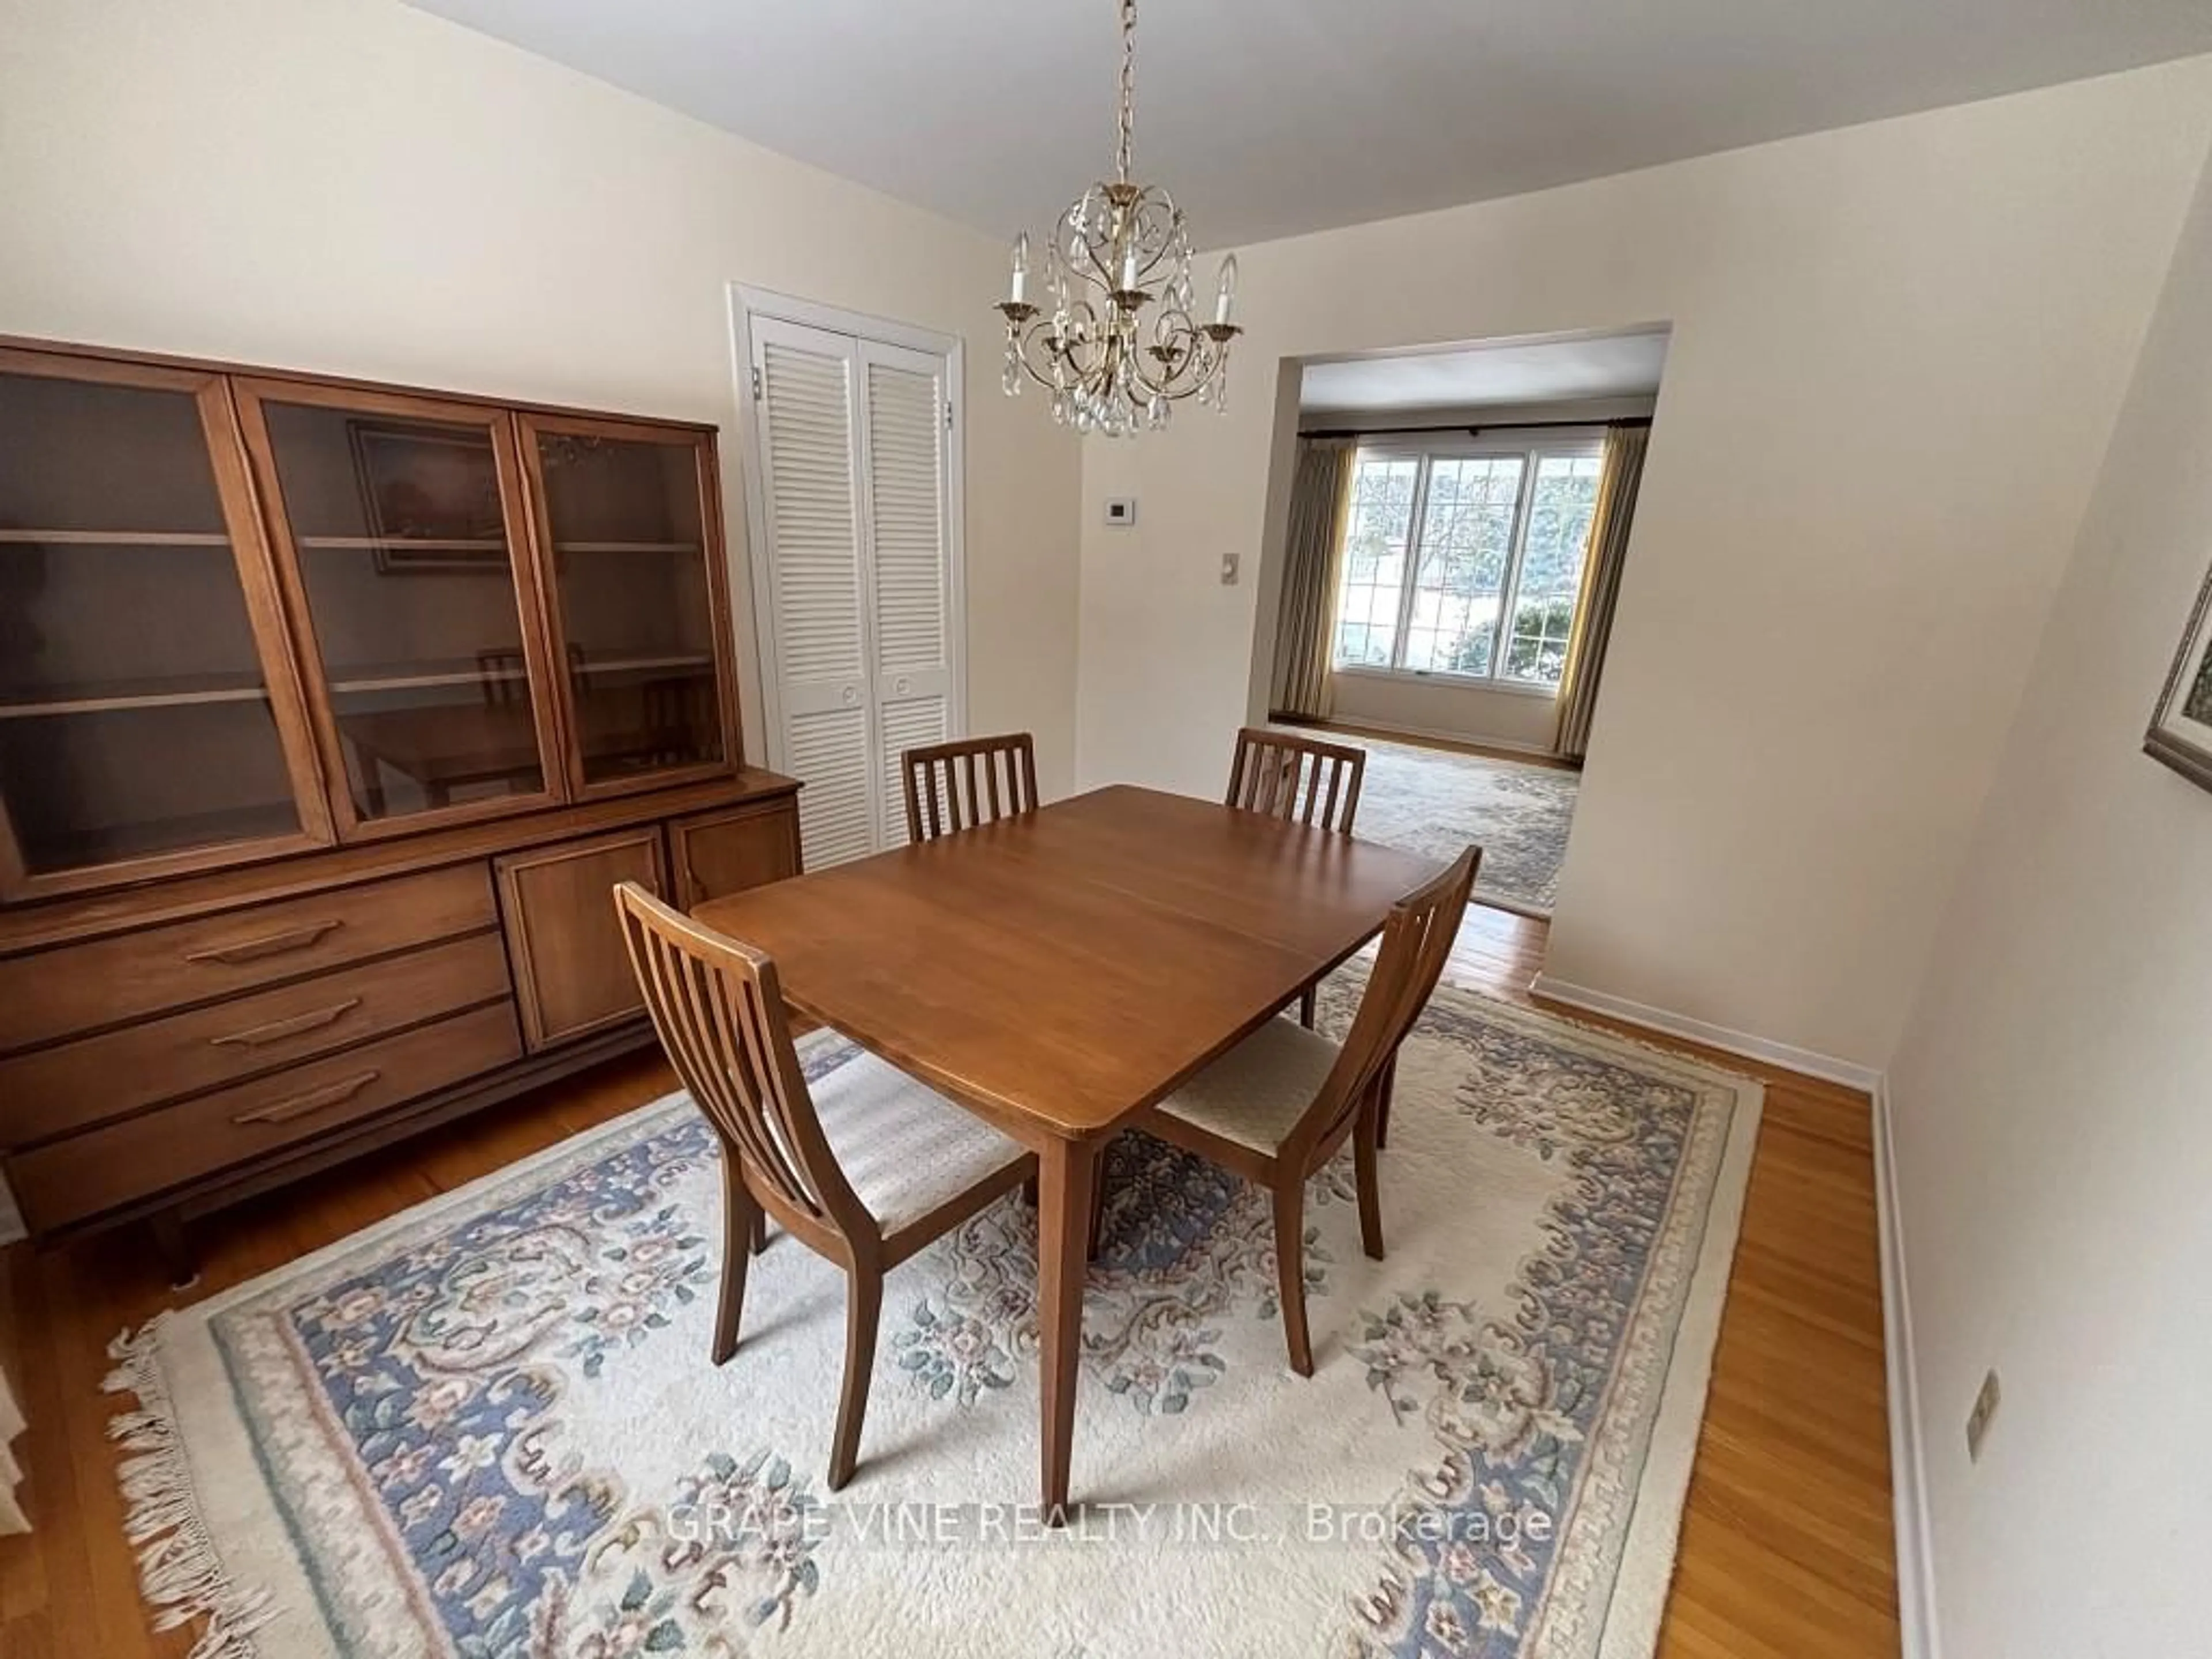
{"x": 180, "y": 1574}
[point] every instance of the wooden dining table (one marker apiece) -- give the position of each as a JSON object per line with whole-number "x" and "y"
{"x": 1059, "y": 972}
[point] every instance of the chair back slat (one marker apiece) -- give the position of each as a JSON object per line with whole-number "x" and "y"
{"x": 718, "y": 1007}
{"x": 1417, "y": 943}
{"x": 951, "y": 786}
{"x": 1301, "y": 779}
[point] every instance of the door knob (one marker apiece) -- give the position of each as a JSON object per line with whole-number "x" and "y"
{"x": 852, "y": 696}
{"x": 905, "y": 685}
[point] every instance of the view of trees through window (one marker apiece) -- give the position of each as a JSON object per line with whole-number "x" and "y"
{"x": 1444, "y": 552}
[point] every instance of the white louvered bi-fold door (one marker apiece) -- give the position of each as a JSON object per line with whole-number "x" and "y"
{"x": 854, "y": 482}
{"x": 909, "y": 573}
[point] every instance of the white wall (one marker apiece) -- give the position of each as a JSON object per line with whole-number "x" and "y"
{"x": 2052, "y": 1103}
{"x": 355, "y": 187}
{"x": 1448, "y": 708}
{"x": 1897, "y": 351}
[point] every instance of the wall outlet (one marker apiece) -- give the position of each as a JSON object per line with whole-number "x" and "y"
{"x": 1977, "y": 1420}
{"x": 1121, "y": 512}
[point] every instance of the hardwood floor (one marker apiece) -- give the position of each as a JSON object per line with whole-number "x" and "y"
{"x": 1787, "y": 1549}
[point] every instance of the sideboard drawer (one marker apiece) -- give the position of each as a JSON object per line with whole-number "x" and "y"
{"x": 66, "y": 1181}
{"x": 52, "y": 1092}
{"x": 79, "y": 987}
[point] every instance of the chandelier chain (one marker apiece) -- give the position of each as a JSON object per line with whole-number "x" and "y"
{"x": 1129, "y": 118}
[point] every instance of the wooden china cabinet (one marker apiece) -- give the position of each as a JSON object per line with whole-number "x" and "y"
{"x": 329, "y": 714}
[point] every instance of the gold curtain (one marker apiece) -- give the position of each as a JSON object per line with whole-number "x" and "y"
{"x": 1608, "y": 545}
{"x": 1305, "y": 629}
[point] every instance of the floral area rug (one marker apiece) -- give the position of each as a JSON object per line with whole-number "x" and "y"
{"x": 488, "y": 1426}
{"x": 1435, "y": 801}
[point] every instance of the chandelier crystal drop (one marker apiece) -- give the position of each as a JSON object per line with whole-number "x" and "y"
{"x": 1109, "y": 334}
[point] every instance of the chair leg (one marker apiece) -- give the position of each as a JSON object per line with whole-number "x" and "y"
{"x": 1382, "y": 1102}
{"x": 1363, "y": 1133}
{"x": 864, "y": 1307}
{"x": 741, "y": 1220}
{"x": 759, "y": 1231}
{"x": 1307, "y": 999}
{"x": 1029, "y": 1192}
{"x": 1291, "y": 1269}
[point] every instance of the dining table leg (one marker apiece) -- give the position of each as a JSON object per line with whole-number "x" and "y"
{"x": 1065, "y": 1170}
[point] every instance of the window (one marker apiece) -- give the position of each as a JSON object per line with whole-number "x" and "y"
{"x": 1467, "y": 561}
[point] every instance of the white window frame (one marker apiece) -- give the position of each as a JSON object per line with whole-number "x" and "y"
{"x": 1580, "y": 443}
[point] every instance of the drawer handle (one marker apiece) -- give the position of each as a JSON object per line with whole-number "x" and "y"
{"x": 269, "y": 945}
{"x": 315, "y": 1100}
{"x": 277, "y": 1030}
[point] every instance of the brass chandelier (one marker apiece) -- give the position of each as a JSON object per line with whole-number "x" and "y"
{"x": 1114, "y": 341}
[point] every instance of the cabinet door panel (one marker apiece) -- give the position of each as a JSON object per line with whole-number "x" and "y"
{"x": 399, "y": 524}
{"x": 572, "y": 971}
{"x": 720, "y": 853}
{"x": 150, "y": 718}
{"x": 629, "y": 531}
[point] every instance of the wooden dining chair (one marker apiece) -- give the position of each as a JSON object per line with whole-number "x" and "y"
{"x": 976, "y": 780}
{"x": 1278, "y": 1106}
{"x": 1304, "y": 780}
{"x": 864, "y": 1169}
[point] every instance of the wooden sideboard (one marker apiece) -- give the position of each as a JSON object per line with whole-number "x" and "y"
{"x": 329, "y": 714}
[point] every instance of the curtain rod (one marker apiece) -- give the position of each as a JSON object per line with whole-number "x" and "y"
{"x": 1462, "y": 426}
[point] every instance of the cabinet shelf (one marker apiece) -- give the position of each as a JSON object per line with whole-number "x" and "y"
{"x": 113, "y": 696}
{"x": 409, "y": 677}
{"x": 404, "y": 544}
{"x": 626, "y": 547}
{"x": 695, "y": 662}
{"x": 117, "y": 843}
{"x": 113, "y": 539}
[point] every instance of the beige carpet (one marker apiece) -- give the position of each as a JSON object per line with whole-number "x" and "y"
{"x": 488, "y": 1426}
{"x": 1435, "y": 801}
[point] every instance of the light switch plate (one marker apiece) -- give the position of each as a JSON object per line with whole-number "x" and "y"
{"x": 1121, "y": 512}
{"x": 1229, "y": 570}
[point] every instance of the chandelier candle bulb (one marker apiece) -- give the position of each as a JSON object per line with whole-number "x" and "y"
{"x": 1225, "y": 297}
{"x": 1017, "y": 289}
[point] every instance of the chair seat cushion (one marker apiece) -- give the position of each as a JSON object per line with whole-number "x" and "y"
{"x": 905, "y": 1148}
{"x": 1256, "y": 1094}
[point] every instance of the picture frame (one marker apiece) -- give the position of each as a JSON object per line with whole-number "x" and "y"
{"x": 439, "y": 489}
{"x": 2180, "y": 733}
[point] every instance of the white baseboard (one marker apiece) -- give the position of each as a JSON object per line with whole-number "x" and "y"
{"x": 1849, "y": 1073}
{"x": 1915, "y": 1584}
{"x": 1442, "y": 736}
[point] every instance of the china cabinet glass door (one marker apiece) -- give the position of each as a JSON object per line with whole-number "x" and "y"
{"x": 398, "y": 524}
{"x": 627, "y": 518}
{"x": 148, "y": 719}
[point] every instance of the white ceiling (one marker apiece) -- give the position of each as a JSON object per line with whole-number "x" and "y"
{"x": 1271, "y": 117}
{"x": 1541, "y": 372}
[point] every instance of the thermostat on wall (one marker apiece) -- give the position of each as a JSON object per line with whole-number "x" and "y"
{"x": 1121, "y": 512}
